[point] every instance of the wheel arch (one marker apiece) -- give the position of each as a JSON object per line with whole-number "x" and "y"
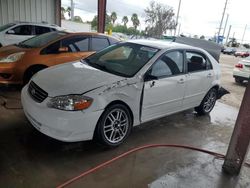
{"x": 36, "y": 66}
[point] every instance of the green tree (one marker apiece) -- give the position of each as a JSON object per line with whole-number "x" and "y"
{"x": 78, "y": 19}
{"x": 125, "y": 20}
{"x": 202, "y": 37}
{"x": 108, "y": 24}
{"x": 135, "y": 20}
{"x": 159, "y": 19}
{"x": 113, "y": 17}
{"x": 68, "y": 10}
{"x": 63, "y": 11}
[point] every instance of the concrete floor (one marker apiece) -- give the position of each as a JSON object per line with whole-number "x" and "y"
{"x": 30, "y": 159}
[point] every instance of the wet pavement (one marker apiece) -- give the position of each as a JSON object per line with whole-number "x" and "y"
{"x": 30, "y": 159}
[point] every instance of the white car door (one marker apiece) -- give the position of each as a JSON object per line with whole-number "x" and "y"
{"x": 199, "y": 78}
{"x": 164, "y": 87}
{"x": 18, "y": 34}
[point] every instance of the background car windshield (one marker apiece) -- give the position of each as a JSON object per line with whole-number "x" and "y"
{"x": 6, "y": 26}
{"x": 42, "y": 40}
{"x": 124, "y": 59}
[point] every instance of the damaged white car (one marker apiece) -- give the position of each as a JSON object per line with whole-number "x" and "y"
{"x": 122, "y": 86}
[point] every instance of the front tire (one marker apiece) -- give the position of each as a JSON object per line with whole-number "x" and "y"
{"x": 207, "y": 103}
{"x": 114, "y": 126}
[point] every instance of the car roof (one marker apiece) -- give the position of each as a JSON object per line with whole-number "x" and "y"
{"x": 36, "y": 23}
{"x": 161, "y": 44}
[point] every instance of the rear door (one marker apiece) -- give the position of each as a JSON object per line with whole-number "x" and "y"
{"x": 199, "y": 78}
{"x": 163, "y": 94}
{"x": 41, "y": 30}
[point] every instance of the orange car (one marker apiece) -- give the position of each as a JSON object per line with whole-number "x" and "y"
{"x": 19, "y": 62}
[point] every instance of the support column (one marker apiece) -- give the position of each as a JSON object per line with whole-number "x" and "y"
{"x": 240, "y": 140}
{"x": 101, "y": 16}
{"x": 58, "y": 12}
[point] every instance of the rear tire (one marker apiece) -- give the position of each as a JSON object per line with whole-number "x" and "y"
{"x": 238, "y": 80}
{"x": 207, "y": 103}
{"x": 1, "y": 45}
{"x": 114, "y": 126}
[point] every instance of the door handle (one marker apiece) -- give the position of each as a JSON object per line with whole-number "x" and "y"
{"x": 152, "y": 84}
{"x": 181, "y": 81}
{"x": 209, "y": 75}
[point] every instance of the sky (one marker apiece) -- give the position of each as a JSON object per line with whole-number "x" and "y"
{"x": 197, "y": 17}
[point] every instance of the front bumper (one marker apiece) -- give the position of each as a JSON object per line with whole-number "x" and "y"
{"x": 8, "y": 74}
{"x": 61, "y": 125}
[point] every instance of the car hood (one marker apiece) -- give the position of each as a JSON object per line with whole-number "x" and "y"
{"x": 72, "y": 78}
{"x": 7, "y": 50}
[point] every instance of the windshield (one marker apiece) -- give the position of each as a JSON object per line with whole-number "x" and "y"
{"x": 123, "y": 59}
{"x": 3, "y": 27}
{"x": 41, "y": 40}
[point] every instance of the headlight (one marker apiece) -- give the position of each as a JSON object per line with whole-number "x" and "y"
{"x": 12, "y": 57}
{"x": 70, "y": 102}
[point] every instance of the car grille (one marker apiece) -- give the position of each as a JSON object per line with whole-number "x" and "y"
{"x": 37, "y": 93}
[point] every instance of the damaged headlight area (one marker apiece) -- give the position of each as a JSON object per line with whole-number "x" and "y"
{"x": 70, "y": 102}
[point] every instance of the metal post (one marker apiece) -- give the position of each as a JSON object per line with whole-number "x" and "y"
{"x": 243, "y": 34}
{"x": 58, "y": 12}
{"x": 177, "y": 17}
{"x": 72, "y": 10}
{"x": 101, "y": 16}
{"x": 222, "y": 21}
{"x": 240, "y": 140}
{"x": 228, "y": 33}
{"x": 225, "y": 26}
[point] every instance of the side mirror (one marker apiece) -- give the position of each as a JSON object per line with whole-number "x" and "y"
{"x": 11, "y": 32}
{"x": 149, "y": 77}
{"x": 63, "y": 49}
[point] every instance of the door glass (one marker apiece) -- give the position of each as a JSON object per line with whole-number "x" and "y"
{"x": 99, "y": 43}
{"x": 23, "y": 30}
{"x": 52, "y": 49}
{"x": 197, "y": 62}
{"x": 168, "y": 65}
{"x": 76, "y": 43}
{"x": 41, "y": 30}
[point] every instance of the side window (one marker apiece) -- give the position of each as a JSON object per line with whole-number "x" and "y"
{"x": 23, "y": 30}
{"x": 99, "y": 43}
{"x": 76, "y": 43}
{"x": 51, "y": 49}
{"x": 168, "y": 65}
{"x": 113, "y": 40}
{"x": 197, "y": 62}
{"x": 41, "y": 30}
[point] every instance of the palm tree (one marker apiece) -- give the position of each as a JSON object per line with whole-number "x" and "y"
{"x": 125, "y": 20}
{"x": 135, "y": 20}
{"x": 68, "y": 10}
{"x": 63, "y": 11}
{"x": 113, "y": 17}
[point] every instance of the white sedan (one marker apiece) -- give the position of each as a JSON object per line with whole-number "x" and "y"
{"x": 122, "y": 86}
{"x": 241, "y": 70}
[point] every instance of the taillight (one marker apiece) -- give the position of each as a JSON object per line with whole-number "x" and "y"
{"x": 239, "y": 65}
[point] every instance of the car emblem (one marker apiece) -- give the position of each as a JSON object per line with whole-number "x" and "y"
{"x": 33, "y": 91}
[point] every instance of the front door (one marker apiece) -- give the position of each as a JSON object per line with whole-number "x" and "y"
{"x": 164, "y": 87}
